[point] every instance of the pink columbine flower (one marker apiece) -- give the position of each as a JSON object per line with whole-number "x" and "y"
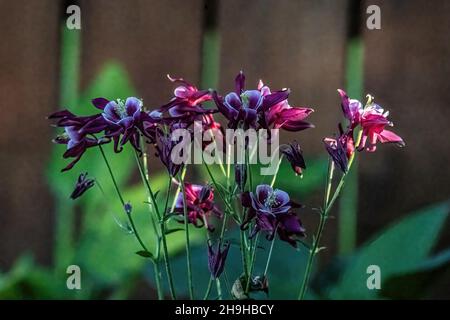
{"x": 373, "y": 123}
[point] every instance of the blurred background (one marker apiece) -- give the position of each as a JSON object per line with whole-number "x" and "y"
{"x": 128, "y": 47}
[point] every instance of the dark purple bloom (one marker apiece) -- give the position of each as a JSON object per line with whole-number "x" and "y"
{"x": 337, "y": 151}
{"x": 216, "y": 258}
{"x": 125, "y": 121}
{"x": 164, "y": 147}
{"x": 272, "y": 212}
{"x": 200, "y": 204}
{"x": 82, "y": 185}
{"x": 293, "y": 154}
{"x": 186, "y": 105}
{"x": 77, "y": 144}
{"x": 283, "y": 116}
{"x": 247, "y": 107}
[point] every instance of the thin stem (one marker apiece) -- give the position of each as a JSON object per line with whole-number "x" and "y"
{"x": 269, "y": 257}
{"x": 208, "y": 289}
{"x": 130, "y": 219}
{"x": 252, "y": 264}
{"x": 219, "y": 289}
{"x": 145, "y": 179}
{"x": 276, "y": 172}
{"x": 328, "y": 205}
{"x": 188, "y": 247}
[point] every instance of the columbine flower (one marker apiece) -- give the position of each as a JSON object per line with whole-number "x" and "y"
{"x": 200, "y": 204}
{"x": 283, "y": 116}
{"x": 351, "y": 108}
{"x": 373, "y": 121}
{"x": 77, "y": 144}
{"x": 247, "y": 106}
{"x": 216, "y": 258}
{"x": 164, "y": 146}
{"x": 293, "y": 154}
{"x": 186, "y": 104}
{"x": 336, "y": 150}
{"x": 82, "y": 185}
{"x": 125, "y": 120}
{"x": 271, "y": 210}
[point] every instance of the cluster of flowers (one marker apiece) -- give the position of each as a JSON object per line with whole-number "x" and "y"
{"x": 268, "y": 210}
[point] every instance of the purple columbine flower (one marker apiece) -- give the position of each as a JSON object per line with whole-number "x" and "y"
{"x": 337, "y": 152}
{"x": 216, "y": 258}
{"x": 186, "y": 105}
{"x": 125, "y": 121}
{"x": 271, "y": 210}
{"x": 351, "y": 108}
{"x": 164, "y": 146}
{"x": 77, "y": 144}
{"x": 283, "y": 116}
{"x": 247, "y": 106}
{"x": 200, "y": 204}
{"x": 293, "y": 154}
{"x": 82, "y": 185}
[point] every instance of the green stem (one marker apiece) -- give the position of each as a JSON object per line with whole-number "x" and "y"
{"x": 188, "y": 247}
{"x": 208, "y": 289}
{"x": 145, "y": 179}
{"x": 133, "y": 227}
{"x": 276, "y": 172}
{"x": 252, "y": 264}
{"x": 328, "y": 205}
{"x": 270, "y": 255}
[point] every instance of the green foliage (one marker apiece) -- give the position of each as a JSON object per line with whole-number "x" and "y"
{"x": 400, "y": 249}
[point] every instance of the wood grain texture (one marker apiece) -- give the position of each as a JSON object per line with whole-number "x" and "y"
{"x": 407, "y": 68}
{"x": 29, "y": 53}
{"x": 150, "y": 38}
{"x": 295, "y": 44}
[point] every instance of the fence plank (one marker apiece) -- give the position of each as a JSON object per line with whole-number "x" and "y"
{"x": 407, "y": 68}
{"x": 29, "y": 55}
{"x": 151, "y": 39}
{"x": 295, "y": 44}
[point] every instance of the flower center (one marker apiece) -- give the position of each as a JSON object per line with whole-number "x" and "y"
{"x": 271, "y": 200}
{"x": 121, "y": 109}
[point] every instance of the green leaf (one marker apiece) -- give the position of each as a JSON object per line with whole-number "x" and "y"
{"x": 415, "y": 285}
{"x": 146, "y": 254}
{"x": 399, "y": 249}
{"x": 173, "y": 230}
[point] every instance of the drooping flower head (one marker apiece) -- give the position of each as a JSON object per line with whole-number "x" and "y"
{"x": 373, "y": 123}
{"x": 216, "y": 258}
{"x": 200, "y": 204}
{"x": 82, "y": 185}
{"x": 164, "y": 145}
{"x": 74, "y": 137}
{"x": 271, "y": 210}
{"x": 293, "y": 154}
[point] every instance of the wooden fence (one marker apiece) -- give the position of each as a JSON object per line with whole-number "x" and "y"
{"x": 296, "y": 43}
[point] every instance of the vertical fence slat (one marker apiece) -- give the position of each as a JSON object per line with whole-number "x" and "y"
{"x": 29, "y": 54}
{"x": 295, "y": 44}
{"x": 151, "y": 39}
{"x": 407, "y": 69}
